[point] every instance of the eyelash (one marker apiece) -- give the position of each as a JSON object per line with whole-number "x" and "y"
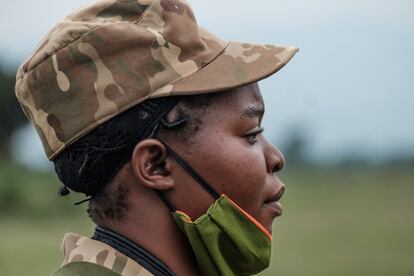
{"x": 252, "y": 137}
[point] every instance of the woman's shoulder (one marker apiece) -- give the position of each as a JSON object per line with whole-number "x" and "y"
{"x": 83, "y": 269}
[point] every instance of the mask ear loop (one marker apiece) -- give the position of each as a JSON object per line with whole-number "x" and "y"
{"x": 166, "y": 125}
{"x": 181, "y": 162}
{"x": 190, "y": 170}
{"x": 167, "y": 203}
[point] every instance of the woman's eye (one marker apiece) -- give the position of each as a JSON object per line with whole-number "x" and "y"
{"x": 252, "y": 137}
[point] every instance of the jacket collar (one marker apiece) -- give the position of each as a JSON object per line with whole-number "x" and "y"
{"x": 112, "y": 251}
{"x": 132, "y": 250}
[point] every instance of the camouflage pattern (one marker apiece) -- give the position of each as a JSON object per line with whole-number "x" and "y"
{"x": 113, "y": 54}
{"x": 78, "y": 248}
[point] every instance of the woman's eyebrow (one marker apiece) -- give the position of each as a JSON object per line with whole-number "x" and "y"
{"x": 253, "y": 111}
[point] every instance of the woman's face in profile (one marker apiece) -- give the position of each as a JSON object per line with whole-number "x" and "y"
{"x": 232, "y": 154}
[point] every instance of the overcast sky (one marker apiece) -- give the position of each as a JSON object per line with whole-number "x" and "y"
{"x": 351, "y": 86}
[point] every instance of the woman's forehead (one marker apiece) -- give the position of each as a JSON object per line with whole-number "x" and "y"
{"x": 244, "y": 97}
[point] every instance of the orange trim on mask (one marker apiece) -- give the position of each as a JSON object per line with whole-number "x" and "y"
{"x": 187, "y": 217}
{"x": 252, "y": 219}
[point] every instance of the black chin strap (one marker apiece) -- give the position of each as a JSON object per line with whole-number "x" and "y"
{"x": 191, "y": 172}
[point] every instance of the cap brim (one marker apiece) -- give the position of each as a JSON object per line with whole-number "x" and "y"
{"x": 239, "y": 64}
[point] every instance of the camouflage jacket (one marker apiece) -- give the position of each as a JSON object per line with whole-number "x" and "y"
{"x": 86, "y": 256}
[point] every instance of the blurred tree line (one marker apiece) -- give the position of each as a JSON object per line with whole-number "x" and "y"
{"x": 297, "y": 144}
{"x": 11, "y": 115}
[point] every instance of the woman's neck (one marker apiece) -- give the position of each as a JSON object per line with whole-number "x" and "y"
{"x": 150, "y": 225}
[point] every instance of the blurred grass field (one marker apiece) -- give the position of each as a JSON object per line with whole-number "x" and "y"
{"x": 357, "y": 222}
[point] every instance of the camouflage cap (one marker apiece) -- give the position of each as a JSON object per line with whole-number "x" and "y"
{"x": 113, "y": 54}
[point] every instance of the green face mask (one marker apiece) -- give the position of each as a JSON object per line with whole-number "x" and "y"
{"x": 226, "y": 240}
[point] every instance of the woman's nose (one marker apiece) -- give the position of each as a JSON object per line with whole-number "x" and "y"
{"x": 275, "y": 161}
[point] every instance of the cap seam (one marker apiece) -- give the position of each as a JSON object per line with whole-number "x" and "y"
{"x": 145, "y": 13}
{"x": 207, "y": 63}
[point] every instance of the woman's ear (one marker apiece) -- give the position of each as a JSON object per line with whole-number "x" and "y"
{"x": 151, "y": 166}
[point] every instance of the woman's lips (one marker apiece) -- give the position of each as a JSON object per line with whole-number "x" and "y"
{"x": 275, "y": 207}
{"x": 273, "y": 203}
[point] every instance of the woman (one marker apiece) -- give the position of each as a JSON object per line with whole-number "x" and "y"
{"x": 158, "y": 122}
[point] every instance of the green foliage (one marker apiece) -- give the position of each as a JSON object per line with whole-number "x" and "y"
{"x": 25, "y": 193}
